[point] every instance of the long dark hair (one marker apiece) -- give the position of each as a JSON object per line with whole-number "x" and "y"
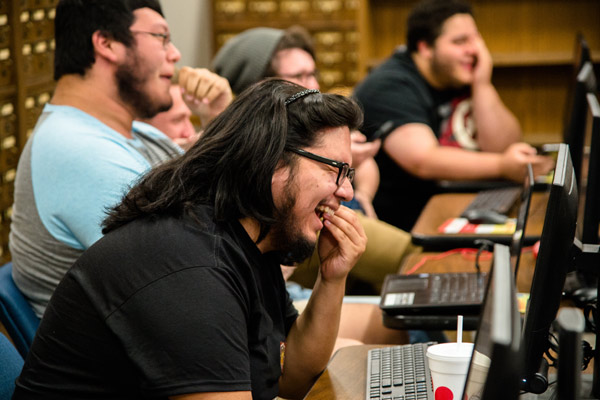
{"x": 77, "y": 20}
{"x": 232, "y": 164}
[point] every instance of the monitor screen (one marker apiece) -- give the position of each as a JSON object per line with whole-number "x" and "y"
{"x": 516, "y": 244}
{"x": 553, "y": 261}
{"x": 574, "y": 134}
{"x": 494, "y": 368}
{"x": 589, "y": 215}
{"x": 581, "y": 55}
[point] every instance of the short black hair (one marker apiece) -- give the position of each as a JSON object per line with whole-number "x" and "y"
{"x": 232, "y": 164}
{"x": 77, "y": 20}
{"x": 427, "y": 17}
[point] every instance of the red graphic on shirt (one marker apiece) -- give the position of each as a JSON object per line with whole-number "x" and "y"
{"x": 443, "y": 393}
{"x": 458, "y": 128}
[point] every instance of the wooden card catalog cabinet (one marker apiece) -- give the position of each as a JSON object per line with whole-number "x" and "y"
{"x": 26, "y": 84}
{"x": 332, "y": 23}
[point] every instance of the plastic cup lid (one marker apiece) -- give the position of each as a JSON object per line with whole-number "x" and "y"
{"x": 444, "y": 351}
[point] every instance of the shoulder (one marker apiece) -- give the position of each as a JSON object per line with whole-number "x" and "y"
{"x": 62, "y": 129}
{"x": 170, "y": 237}
{"x": 155, "y": 141}
{"x": 148, "y": 130}
{"x": 68, "y": 136}
{"x": 149, "y": 254}
{"x": 397, "y": 73}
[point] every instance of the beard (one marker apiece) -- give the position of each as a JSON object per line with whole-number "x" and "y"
{"x": 288, "y": 240}
{"x": 131, "y": 78}
{"x": 443, "y": 70}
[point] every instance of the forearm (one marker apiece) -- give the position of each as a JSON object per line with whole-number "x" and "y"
{"x": 497, "y": 127}
{"x": 310, "y": 341}
{"x": 366, "y": 179}
{"x": 458, "y": 164}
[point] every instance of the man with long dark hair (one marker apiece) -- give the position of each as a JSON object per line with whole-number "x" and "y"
{"x": 184, "y": 295}
{"x": 113, "y": 64}
{"x": 289, "y": 54}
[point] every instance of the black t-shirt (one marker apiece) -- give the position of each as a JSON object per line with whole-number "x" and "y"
{"x": 395, "y": 91}
{"x": 159, "y": 308}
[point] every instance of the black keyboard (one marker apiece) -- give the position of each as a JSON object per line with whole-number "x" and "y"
{"x": 399, "y": 373}
{"x": 448, "y": 293}
{"x": 499, "y": 200}
{"x": 457, "y": 287}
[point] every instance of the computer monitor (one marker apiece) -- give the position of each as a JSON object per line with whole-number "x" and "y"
{"x": 589, "y": 216}
{"x": 583, "y": 288}
{"x": 516, "y": 244}
{"x": 574, "y": 132}
{"x": 495, "y": 364}
{"x": 581, "y": 54}
{"x": 553, "y": 261}
{"x": 588, "y": 242}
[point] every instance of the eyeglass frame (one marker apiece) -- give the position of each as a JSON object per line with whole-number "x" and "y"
{"x": 301, "y": 76}
{"x": 166, "y": 37}
{"x": 340, "y": 165}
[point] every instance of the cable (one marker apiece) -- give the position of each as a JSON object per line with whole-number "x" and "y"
{"x": 466, "y": 252}
{"x": 552, "y": 346}
{"x": 463, "y": 251}
{"x": 588, "y": 354}
{"x": 484, "y": 245}
{"x": 589, "y": 312}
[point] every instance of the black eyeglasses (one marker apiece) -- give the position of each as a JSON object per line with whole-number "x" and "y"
{"x": 302, "y": 76}
{"x": 165, "y": 37}
{"x": 344, "y": 168}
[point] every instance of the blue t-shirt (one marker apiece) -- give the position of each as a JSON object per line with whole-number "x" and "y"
{"x": 72, "y": 169}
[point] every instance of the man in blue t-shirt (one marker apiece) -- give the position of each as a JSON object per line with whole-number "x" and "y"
{"x": 113, "y": 64}
{"x": 447, "y": 119}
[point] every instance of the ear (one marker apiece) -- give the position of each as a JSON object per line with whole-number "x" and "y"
{"x": 106, "y": 47}
{"x": 279, "y": 181}
{"x": 424, "y": 49}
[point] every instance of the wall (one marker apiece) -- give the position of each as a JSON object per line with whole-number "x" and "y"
{"x": 191, "y": 30}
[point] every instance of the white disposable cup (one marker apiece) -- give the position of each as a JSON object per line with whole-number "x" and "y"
{"x": 449, "y": 364}
{"x": 479, "y": 372}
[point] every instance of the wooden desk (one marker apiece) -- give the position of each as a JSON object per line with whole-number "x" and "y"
{"x": 442, "y": 207}
{"x": 345, "y": 376}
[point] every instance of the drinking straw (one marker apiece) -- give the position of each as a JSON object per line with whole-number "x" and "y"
{"x": 459, "y": 328}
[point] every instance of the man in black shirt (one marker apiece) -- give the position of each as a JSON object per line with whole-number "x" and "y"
{"x": 448, "y": 121}
{"x": 184, "y": 297}
{"x": 289, "y": 54}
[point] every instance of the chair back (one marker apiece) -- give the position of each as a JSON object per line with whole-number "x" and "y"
{"x": 16, "y": 314}
{"x": 11, "y": 364}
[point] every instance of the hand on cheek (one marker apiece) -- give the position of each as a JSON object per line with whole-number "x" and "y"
{"x": 341, "y": 243}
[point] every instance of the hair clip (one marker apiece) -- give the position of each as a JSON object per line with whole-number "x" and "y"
{"x": 299, "y": 95}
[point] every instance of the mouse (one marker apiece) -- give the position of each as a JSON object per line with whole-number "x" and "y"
{"x": 478, "y": 216}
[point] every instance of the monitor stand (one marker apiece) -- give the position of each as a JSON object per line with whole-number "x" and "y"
{"x": 570, "y": 325}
